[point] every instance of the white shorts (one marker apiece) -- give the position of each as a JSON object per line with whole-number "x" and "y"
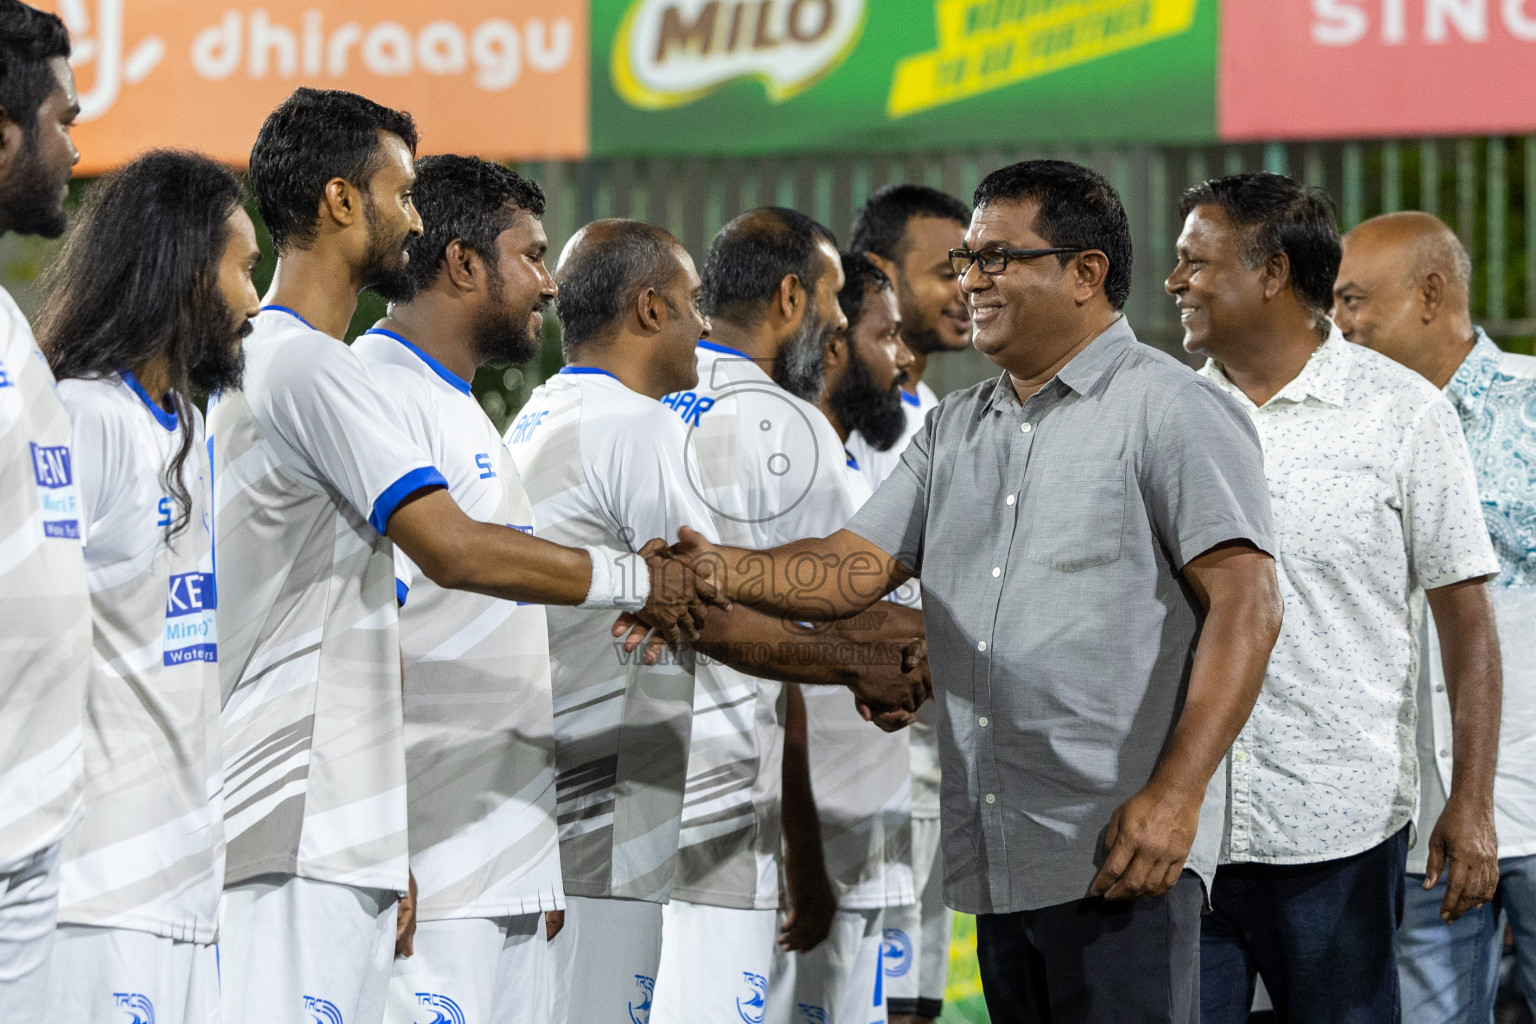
{"x": 605, "y": 961}
{"x": 296, "y": 950}
{"x": 917, "y": 936}
{"x": 474, "y": 970}
{"x": 119, "y": 975}
{"x": 715, "y": 963}
{"x": 29, "y": 916}
{"x": 838, "y": 982}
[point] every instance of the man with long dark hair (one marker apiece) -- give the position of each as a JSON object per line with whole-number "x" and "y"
{"x": 147, "y": 304}
{"x": 316, "y": 478}
{"x": 45, "y": 624}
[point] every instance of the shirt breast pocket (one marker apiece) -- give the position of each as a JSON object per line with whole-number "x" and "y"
{"x": 1076, "y": 513}
{"x": 1326, "y": 516}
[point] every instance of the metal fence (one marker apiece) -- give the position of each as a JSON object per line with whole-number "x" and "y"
{"x": 1482, "y": 187}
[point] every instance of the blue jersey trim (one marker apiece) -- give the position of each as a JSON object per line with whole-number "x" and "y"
{"x": 910, "y": 398}
{"x": 165, "y": 419}
{"x": 852, "y": 462}
{"x": 418, "y": 479}
{"x": 724, "y": 350}
{"x": 290, "y": 312}
{"x": 459, "y": 383}
{"x": 588, "y": 369}
{"x": 401, "y": 590}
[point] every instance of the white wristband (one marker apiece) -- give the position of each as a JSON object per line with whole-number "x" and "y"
{"x": 620, "y": 580}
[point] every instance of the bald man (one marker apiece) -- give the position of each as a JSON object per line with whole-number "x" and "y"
{"x": 1403, "y": 290}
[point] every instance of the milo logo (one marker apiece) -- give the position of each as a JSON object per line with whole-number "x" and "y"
{"x": 671, "y": 52}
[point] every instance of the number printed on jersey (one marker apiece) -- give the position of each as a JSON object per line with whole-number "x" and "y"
{"x": 190, "y": 633}
{"x": 56, "y": 491}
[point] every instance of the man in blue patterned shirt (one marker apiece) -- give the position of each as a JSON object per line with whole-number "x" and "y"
{"x": 1403, "y": 290}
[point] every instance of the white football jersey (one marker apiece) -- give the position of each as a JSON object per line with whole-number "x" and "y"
{"x": 603, "y": 466}
{"x": 149, "y": 853}
{"x": 923, "y": 734}
{"x": 771, "y": 470}
{"x": 479, "y": 742}
{"x": 309, "y": 464}
{"x": 45, "y": 610}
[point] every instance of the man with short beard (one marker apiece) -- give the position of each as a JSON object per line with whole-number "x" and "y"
{"x": 45, "y": 616}
{"x": 478, "y": 734}
{"x": 142, "y": 312}
{"x": 319, "y": 485}
{"x": 907, "y": 231}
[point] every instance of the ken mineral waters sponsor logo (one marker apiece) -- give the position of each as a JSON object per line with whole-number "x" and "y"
{"x": 190, "y": 633}
{"x": 52, "y": 470}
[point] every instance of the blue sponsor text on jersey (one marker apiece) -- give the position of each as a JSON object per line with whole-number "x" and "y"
{"x": 526, "y": 424}
{"x": 483, "y": 460}
{"x": 689, "y": 405}
{"x": 189, "y": 622}
{"x": 56, "y": 490}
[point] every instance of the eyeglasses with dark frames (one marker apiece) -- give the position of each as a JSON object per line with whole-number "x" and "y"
{"x": 995, "y": 261}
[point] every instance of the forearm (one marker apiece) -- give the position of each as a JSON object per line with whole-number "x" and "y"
{"x": 800, "y": 825}
{"x": 1474, "y": 686}
{"x": 1224, "y": 683}
{"x": 836, "y": 655}
{"x": 811, "y": 580}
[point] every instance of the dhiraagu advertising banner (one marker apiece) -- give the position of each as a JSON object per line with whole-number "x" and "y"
{"x": 692, "y": 77}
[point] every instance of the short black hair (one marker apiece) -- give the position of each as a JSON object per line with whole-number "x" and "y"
{"x": 859, "y": 276}
{"x": 313, "y": 136}
{"x": 1078, "y": 207}
{"x": 603, "y": 272}
{"x": 755, "y": 252}
{"x": 29, "y": 39}
{"x": 882, "y": 221}
{"x": 1279, "y": 214}
{"x": 464, "y": 198}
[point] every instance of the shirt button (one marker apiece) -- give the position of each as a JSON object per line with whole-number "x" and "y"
{"x": 1025, "y": 428}
{"x": 1445, "y": 753}
{"x": 996, "y": 571}
{"x": 982, "y": 721}
{"x": 1010, "y": 499}
{"x": 981, "y": 646}
{"x": 1440, "y": 688}
{"x": 991, "y": 798}
{"x": 1240, "y": 756}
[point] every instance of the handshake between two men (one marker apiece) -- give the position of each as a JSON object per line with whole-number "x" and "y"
{"x": 803, "y": 613}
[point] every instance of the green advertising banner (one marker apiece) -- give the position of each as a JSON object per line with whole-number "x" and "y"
{"x": 717, "y": 77}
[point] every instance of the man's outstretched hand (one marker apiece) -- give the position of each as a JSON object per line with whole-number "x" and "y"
{"x": 889, "y": 695}
{"x": 679, "y": 597}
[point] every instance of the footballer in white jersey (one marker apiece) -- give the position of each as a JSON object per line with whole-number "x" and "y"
{"x": 44, "y": 607}
{"x": 45, "y": 644}
{"x": 142, "y": 872}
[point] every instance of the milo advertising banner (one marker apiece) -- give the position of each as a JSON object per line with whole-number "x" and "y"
{"x": 756, "y": 76}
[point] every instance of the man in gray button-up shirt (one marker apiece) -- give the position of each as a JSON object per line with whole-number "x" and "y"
{"x": 1091, "y": 530}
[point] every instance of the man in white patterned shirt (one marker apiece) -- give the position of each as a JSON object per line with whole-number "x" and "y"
{"x": 130, "y": 328}
{"x": 1403, "y": 290}
{"x": 479, "y": 741}
{"x": 907, "y": 231}
{"x": 315, "y": 483}
{"x": 45, "y": 612}
{"x": 1376, "y": 504}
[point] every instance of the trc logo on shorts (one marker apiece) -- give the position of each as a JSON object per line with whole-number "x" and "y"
{"x": 811, "y": 1014}
{"x": 896, "y": 953}
{"x": 447, "y": 1011}
{"x": 322, "y": 1011}
{"x": 642, "y": 1014}
{"x": 138, "y": 1006}
{"x": 751, "y": 1011}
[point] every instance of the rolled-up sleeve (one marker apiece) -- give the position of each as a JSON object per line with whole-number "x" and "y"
{"x": 1203, "y": 476}
{"x": 894, "y": 517}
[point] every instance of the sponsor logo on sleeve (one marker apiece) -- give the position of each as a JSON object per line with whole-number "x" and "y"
{"x": 641, "y": 1014}
{"x": 322, "y": 1011}
{"x": 190, "y": 630}
{"x": 896, "y": 952}
{"x": 55, "y": 477}
{"x": 445, "y": 1010}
